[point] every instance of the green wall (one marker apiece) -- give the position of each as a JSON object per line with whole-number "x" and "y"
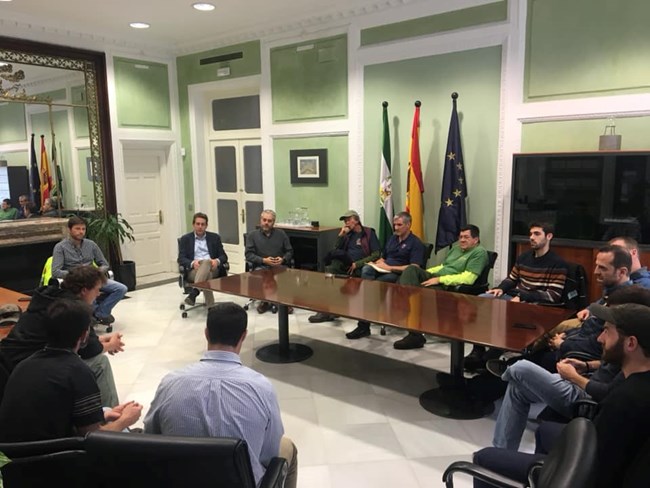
{"x": 142, "y": 91}
{"x": 86, "y": 189}
{"x": 582, "y": 135}
{"x": 582, "y": 48}
{"x": 475, "y": 75}
{"x": 310, "y": 80}
{"x": 432, "y": 24}
{"x": 13, "y": 127}
{"x": 325, "y": 202}
{"x": 78, "y": 96}
{"x": 15, "y": 158}
{"x": 190, "y": 72}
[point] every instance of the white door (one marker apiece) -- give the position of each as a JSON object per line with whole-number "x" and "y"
{"x": 143, "y": 210}
{"x": 237, "y": 193}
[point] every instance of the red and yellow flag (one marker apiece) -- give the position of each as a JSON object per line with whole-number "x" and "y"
{"x": 46, "y": 176}
{"x": 414, "y": 182}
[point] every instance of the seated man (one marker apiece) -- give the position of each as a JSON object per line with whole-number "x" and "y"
{"x": 402, "y": 249}
{"x": 22, "y": 201}
{"x": 267, "y": 247}
{"x": 537, "y": 276}
{"x": 622, "y": 422}
{"x": 7, "y": 212}
{"x": 49, "y": 208}
{"x": 638, "y": 274}
{"x": 78, "y": 251}
{"x": 529, "y": 383}
{"x": 202, "y": 253}
{"x": 355, "y": 246}
{"x": 53, "y": 393}
{"x": 30, "y": 333}
{"x": 464, "y": 263}
{"x": 219, "y": 397}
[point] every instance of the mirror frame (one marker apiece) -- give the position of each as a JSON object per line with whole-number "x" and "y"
{"x": 93, "y": 65}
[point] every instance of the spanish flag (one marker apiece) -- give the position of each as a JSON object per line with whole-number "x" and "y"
{"x": 46, "y": 176}
{"x": 414, "y": 182}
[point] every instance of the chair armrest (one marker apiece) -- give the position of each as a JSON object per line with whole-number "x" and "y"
{"x": 586, "y": 408}
{"x": 468, "y": 289}
{"x": 480, "y": 473}
{"x": 581, "y": 355}
{"x": 276, "y": 473}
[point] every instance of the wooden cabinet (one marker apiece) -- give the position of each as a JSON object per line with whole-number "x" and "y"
{"x": 311, "y": 245}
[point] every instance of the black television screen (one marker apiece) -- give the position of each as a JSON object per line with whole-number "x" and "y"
{"x": 587, "y": 196}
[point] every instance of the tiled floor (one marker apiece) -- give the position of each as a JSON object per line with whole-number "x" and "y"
{"x": 352, "y": 408}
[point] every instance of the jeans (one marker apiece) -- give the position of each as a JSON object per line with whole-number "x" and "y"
{"x": 114, "y": 291}
{"x": 529, "y": 383}
{"x": 369, "y": 273}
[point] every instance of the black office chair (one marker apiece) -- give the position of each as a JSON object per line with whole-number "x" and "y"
{"x": 570, "y": 464}
{"x": 186, "y": 284}
{"x": 136, "y": 460}
{"x": 41, "y": 464}
{"x": 576, "y": 287}
{"x": 481, "y": 285}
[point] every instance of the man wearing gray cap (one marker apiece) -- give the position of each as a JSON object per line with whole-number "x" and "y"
{"x": 355, "y": 246}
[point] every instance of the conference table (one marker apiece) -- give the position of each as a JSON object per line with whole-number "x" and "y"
{"x": 457, "y": 317}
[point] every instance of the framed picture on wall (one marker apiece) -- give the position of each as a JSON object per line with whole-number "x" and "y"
{"x": 308, "y": 166}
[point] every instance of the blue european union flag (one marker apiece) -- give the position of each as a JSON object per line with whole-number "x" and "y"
{"x": 452, "y": 215}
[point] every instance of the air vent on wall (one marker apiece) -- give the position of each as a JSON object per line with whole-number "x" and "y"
{"x": 222, "y": 58}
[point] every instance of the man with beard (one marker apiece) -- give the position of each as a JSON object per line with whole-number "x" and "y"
{"x": 267, "y": 247}
{"x": 622, "y": 422}
{"x": 537, "y": 276}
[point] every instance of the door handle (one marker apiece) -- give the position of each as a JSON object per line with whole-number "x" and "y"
{"x": 160, "y": 217}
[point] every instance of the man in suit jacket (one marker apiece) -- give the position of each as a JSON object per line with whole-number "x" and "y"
{"x": 202, "y": 253}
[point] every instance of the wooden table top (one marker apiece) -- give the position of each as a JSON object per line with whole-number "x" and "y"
{"x": 451, "y": 315}
{"x": 10, "y": 296}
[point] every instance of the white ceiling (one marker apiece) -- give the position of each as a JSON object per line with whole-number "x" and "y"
{"x": 176, "y": 26}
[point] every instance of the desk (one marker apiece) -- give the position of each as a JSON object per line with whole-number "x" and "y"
{"x": 460, "y": 318}
{"x": 311, "y": 245}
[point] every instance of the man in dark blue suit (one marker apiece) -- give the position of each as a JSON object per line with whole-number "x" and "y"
{"x": 202, "y": 253}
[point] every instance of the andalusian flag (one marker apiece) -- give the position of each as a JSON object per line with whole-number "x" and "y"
{"x": 57, "y": 185}
{"x": 46, "y": 176}
{"x": 414, "y": 183}
{"x": 385, "y": 186}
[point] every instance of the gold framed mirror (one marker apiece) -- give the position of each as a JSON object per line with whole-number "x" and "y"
{"x": 93, "y": 156}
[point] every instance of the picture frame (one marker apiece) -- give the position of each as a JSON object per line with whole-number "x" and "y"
{"x": 308, "y": 166}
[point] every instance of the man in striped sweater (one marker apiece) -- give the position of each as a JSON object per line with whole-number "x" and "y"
{"x": 537, "y": 276}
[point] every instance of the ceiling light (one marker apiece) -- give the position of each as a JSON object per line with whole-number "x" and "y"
{"x": 205, "y": 7}
{"x": 139, "y": 25}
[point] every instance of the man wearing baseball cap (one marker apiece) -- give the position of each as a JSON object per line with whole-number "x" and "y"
{"x": 355, "y": 246}
{"x": 622, "y": 422}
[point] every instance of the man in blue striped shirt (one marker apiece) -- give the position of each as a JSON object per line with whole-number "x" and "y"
{"x": 220, "y": 397}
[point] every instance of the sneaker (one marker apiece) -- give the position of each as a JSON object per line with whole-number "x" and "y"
{"x": 289, "y": 310}
{"x": 496, "y": 366}
{"x": 362, "y": 330}
{"x": 263, "y": 307}
{"x": 411, "y": 341}
{"x": 321, "y": 317}
{"x": 107, "y": 320}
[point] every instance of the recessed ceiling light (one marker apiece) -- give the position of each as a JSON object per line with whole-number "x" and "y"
{"x": 205, "y": 7}
{"x": 139, "y": 25}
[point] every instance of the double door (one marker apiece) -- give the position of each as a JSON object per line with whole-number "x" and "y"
{"x": 237, "y": 193}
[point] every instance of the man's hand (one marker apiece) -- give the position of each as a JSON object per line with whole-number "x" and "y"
{"x": 578, "y": 364}
{"x": 556, "y": 341}
{"x": 112, "y": 343}
{"x": 344, "y": 230}
{"x": 214, "y": 264}
{"x": 497, "y": 292}
{"x": 567, "y": 370}
{"x": 352, "y": 267}
{"x": 382, "y": 264}
{"x": 195, "y": 264}
{"x": 583, "y": 315}
{"x": 272, "y": 261}
{"x": 431, "y": 281}
{"x": 516, "y": 299}
{"x": 116, "y": 412}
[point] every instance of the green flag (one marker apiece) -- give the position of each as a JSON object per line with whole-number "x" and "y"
{"x": 385, "y": 186}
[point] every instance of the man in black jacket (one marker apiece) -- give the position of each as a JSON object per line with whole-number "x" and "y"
{"x": 29, "y": 335}
{"x": 202, "y": 253}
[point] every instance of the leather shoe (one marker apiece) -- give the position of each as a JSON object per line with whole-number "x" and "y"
{"x": 107, "y": 320}
{"x": 289, "y": 310}
{"x": 319, "y": 317}
{"x": 362, "y": 330}
{"x": 474, "y": 360}
{"x": 411, "y": 341}
{"x": 191, "y": 297}
{"x": 263, "y": 307}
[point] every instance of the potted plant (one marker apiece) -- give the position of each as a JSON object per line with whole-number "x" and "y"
{"x": 110, "y": 232}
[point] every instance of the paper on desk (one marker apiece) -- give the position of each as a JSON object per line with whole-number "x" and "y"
{"x": 377, "y": 268}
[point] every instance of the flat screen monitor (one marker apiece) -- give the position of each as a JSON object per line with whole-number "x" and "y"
{"x": 587, "y": 196}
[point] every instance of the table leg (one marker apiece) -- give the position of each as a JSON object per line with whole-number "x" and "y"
{"x": 453, "y": 399}
{"x": 283, "y": 351}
